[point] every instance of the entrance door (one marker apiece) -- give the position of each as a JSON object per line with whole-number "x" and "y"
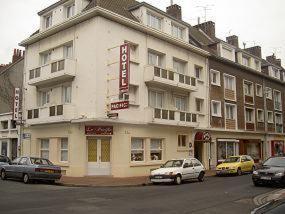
{"x": 14, "y": 148}
{"x": 198, "y": 150}
{"x": 99, "y": 156}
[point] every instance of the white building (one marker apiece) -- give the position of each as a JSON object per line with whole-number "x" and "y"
{"x": 72, "y": 75}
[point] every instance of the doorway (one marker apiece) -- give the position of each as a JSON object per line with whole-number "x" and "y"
{"x": 99, "y": 150}
{"x": 198, "y": 150}
{"x": 14, "y": 148}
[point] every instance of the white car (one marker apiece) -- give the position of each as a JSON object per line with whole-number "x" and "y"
{"x": 177, "y": 170}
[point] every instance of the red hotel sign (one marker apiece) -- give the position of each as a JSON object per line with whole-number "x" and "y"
{"x": 16, "y": 106}
{"x": 119, "y": 105}
{"x": 124, "y": 68}
{"x": 99, "y": 130}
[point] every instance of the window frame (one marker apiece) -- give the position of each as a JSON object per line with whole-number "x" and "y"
{"x": 219, "y": 113}
{"x": 64, "y": 94}
{"x": 267, "y": 94}
{"x": 180, "y": 98}
{"x": 44, "y": 149}
{"x": 218, "y": 73}
{"x": 67, "y": 7}
{"x": 274, "y": 99}
{"x": 253, "y": 115}
{"x": 257, "y": 115}
{"x": 180, "y": 139}
{"x": 156, "y": 93}
{"x": 234, "y": 111}
{"x": 48, "y": 24}
{"x": 150, "y": 17}
{"x": 251, "y": 85}
{"x": 159, "y": 58}
{"x": 234, "y": 82}
{"x": 272, "y": 118}
{"x": 64, "y": 150}
{"x": 180, "y": 30}
{"x": 201, "y": 73}
{"x": 161, "y": 149}
{"x": 143, "y": 150}
{"x": 256, "y": 90}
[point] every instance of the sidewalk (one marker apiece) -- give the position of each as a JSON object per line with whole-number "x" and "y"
{"x": 109, "y": 181}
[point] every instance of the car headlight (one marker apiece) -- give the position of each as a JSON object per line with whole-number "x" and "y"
{"x": 279, "y": 174}
{"x": 255, "y": 172}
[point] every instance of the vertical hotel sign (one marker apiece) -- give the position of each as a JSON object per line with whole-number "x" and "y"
{"x": 16, "y": 107}
{"x": 124, "y": 68}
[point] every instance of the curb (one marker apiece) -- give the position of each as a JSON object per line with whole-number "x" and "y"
{"x": 267, "y": 197}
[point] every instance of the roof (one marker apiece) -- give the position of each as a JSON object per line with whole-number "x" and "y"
{"x": 6, "y": 68}
{"x": 51, "y": 7}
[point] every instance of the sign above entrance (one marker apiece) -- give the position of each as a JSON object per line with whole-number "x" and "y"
{"x": 119, "y": 105}
{"x": 99, "y": 130}
{"x": 203, "y": 136}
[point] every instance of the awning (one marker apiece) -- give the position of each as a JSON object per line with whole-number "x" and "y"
{"x": 228, "y": 140}
{"x": 203, "y": 137}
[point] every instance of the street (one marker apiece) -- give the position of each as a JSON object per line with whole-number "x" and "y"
{"x": 214, "y": 195}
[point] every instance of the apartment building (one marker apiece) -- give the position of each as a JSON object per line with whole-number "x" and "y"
{"x": 11, "y": 77}
{"x": 71, "y": 77}
{"x": 246, "y": 98}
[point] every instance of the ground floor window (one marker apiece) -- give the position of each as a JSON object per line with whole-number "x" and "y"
{"x": 156, "y": 149}
{"x": 225, "y": 149}
{"x": 44, "y": 150}
{"x": 4, "y": 148}
{"x": 182, "y": 141}
{"x": 277, "y": 148}
{"x": 137, "y": 150}
{"x": 64, "y": 149}
{"x": 253, "y": 150}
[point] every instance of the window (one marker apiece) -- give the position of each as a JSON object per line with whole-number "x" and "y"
{"x": 230, "y": 112}
{"x": 44, "y": 151}
{"x": 268, "y": 93}
{"x": 48, "y": 21}
{"x": 198, "y": 72}
{"x": 4, "y": 125}
{"x": 70, "y": 9}
{"x": 13, "y": 124}
{"x": 257, "y": 65}
{"x": 64, "y": 149}
{"x": 137, "y": 150}
{"x": 154, "y": 21}
{"x": 199, "y": 104}
{"x": 179, "y": 66}
{"x": 248, "y": 88}
{"x": 180, "y": 103}
{"x": 227, "y": 53}
{"x": 215, "y": 77}
{"x": 270, "y": 116}
{"x": 45, "y": 57}
{"x": 225, "y": 150}
{"x": 155, "y": 99}
{"x": 23, "y": 161}
{"x": 68, "y": 51}
{"x": 34, "y": 113}
{"x": 44, "y": 97}
{"x": 182, "y": 139}
{"x": 260, "y": 115}
{"x": 66, "y": 94}
{"x": 156, "y": 149}
{"x": 245, "y": 61}
{"x": 216, "y": 108}
{"x": 229, "y": 82}
{"x": 277, "y": 100}
{"x": 249, "y": 115}
{"x": 177, "y": 31}
{"x": 154, "y": 59}
{"x": 275, "y": 73}
{"x": 278, "y": 119}
{"x": 259, "y": 91}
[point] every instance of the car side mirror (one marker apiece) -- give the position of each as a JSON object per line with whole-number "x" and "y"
{"x": 186, "y": 165}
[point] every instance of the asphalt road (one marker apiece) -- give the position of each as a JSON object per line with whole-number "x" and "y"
{"x": 214, "y": 195}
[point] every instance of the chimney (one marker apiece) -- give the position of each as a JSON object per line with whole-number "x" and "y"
{"x": 208, "y": 28}
{"x": 272, "y": 59}
{"x": 256, "y": 51}
{"x": 16, "y": 55}
{"x": 175, "y": 11}
{"x": 233, "y": 40}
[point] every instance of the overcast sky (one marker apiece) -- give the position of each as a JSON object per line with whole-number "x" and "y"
{"x": 256, "y": 22}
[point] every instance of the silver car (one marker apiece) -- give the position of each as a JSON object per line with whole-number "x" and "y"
{"x": 31, "y": 168}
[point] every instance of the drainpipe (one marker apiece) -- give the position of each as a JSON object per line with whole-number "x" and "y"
{"x": 265, "y": 120}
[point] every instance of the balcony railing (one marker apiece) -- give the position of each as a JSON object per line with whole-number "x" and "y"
{"x": 57, "y": 71}
{"x": 161, "y": 76}
{"x": 175, "y": 117}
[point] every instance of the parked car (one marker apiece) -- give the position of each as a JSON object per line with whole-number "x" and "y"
{"x": 4, "y": 160}
{"x": 272, "y": 171}
{"x": 178, "y": 170}
{"x": 236, "y": 165}
{"x": 31, "y": 168}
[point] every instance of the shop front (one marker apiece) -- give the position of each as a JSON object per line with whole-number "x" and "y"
{"x": 277, "y": 148}
{"x": 251, "y": 147}
{"x": 226, "y": 148}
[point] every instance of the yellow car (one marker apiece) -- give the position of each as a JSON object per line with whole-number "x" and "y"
{"x": 236, "y": 165}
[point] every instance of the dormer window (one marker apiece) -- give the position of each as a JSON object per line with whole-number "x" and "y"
{"x": 154, "y": 21}
{"x": 70, "y": 9}
{"x": 245, "y": 61}
{"x": 48, "y": 21}
{"x": 177, "y": 31}
{"x": 275, "y": 73}
{"x": 257, "y": 65}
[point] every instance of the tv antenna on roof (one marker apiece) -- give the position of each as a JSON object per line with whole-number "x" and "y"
{"x": 171, "y": 2}
{"x": 206, "y": 8}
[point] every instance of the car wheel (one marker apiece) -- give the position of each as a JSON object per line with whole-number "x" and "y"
{"x": 256, "y": 184}
{"x": 239, "y": 172}
{"x": 201, "y": 176}
{"x": 26, "y": 179}
{"x": 3, "y": 175}
{"x": 51, "y": 182}
{"x": 178, "y": 180}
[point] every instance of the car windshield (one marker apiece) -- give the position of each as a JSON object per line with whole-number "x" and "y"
{"x": 173, "y": 163}
{"x": 232, "y": 160}
{"x": 40, "y": 161}
{"x": 277, "y": 161}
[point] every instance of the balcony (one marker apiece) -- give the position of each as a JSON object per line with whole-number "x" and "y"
{"x": 51, "y": 114}
{"x": 165, "y": 78}
{"x": 53, "y": 73}
{"x": 172, "y": 117}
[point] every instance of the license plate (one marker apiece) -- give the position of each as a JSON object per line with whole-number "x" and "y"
{"x": 158, "y": 177}
{"x": 49, "y": 171}
{"x": 265, "y": 178}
